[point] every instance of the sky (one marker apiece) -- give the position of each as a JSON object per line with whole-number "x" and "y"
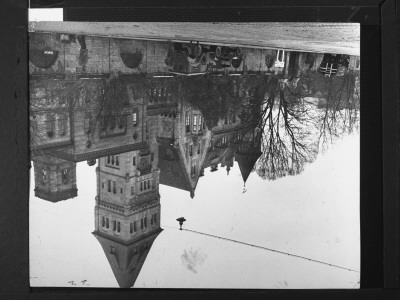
{"x": 314, "y": 214}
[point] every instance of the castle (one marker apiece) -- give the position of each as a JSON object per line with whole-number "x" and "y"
{"x": 93, "y": 99}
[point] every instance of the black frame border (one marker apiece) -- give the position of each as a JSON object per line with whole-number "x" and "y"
{"x": 381, "y": 138}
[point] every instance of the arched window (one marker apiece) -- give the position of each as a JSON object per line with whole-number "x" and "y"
{"x": 107, "y": 223}
{"x": 114, "y": 187}
{"x": 108, "y": 159}
{"x": 117, "y": 160}
{"x": 112, "y": 160}
{"x": 103, "y": 221}
{"x": 114, "y": 225}
{"x": 109, "y": 186}
{"x": 118, "y": 227}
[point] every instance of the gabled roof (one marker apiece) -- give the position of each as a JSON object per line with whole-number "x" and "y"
{"x": 126, "y": 260}
{"x": 172, "y": 170}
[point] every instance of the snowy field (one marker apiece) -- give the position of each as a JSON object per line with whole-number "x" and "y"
{"x": 315, "y": 214}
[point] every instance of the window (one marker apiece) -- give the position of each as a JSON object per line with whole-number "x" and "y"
{"x": 141, "y": 186}
{"x": 191, "y": 150}
{"x": 200, "y": 120}
{"x": 134, "y": 226}
{"x": 145, "y": 222}
{"x": 121, "y": 190}
{"x": 134, "y": 161}
{"x": 103, "y": 221}
{"x": 62, "y": 126}
{"x": 118, "y": 226}
{"x": 50, "y": 124}
{"x": 112, "y": 250}
{"x": 153, "y": 220}
{"x": 88, "y": 123}
{"x": 109, "y": 186}
{"x": 114, "y": 225}
{"x": 152, "y": 156}
{"x": 194, "y": 123}
{"x": 44, "y": 175}
{"x": 234, "y": 118}
{"x": 148, "y": 184}
{"x": 64, "y": 175}
{"x": 132, "y": 190}
{"x": 131, "y": 227}
{"x": 134, "y": 118}
{"x": 102, "y": 185}
{"x": 117, "y": 160}
{"x": 114, "y": 187}
{"x": 187, "y": 123}
{"x": 107, "y": 223}
{"x": 141, "y": 223}
{"x": 226, "y": 119}
{"x": 108, "y": 159}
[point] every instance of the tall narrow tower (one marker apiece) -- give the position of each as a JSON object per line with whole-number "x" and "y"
{"x": 127, "y": 211}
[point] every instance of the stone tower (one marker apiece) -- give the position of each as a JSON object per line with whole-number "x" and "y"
{"x": 55, "y": 179}
{"x": 127, "y": 211}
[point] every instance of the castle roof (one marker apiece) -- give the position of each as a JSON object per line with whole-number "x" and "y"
{"x": 246, "y": 163}
{"x": 126, "y": 259}
{"x": 172, "y": 169}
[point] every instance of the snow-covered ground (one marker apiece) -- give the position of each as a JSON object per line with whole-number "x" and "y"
{"x": 314, "y": 214}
